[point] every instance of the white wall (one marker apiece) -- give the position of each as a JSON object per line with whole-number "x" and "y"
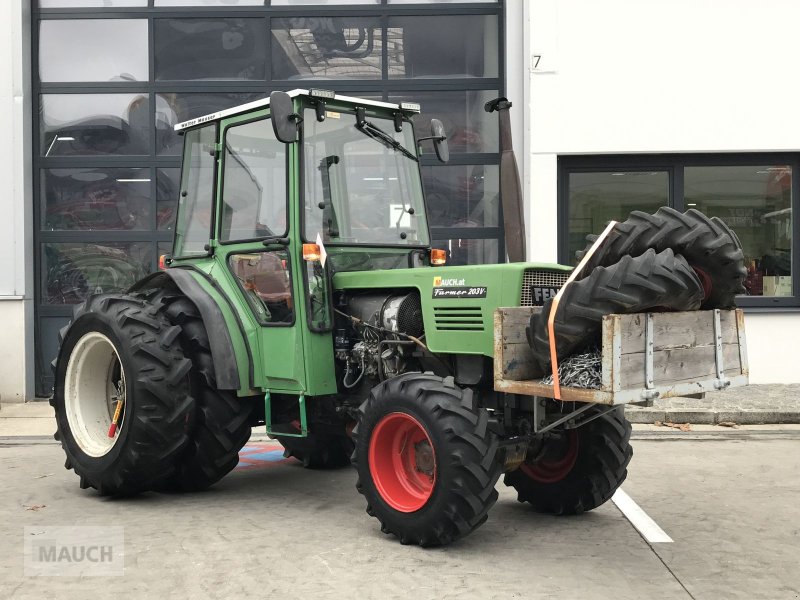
{"x": 626, "y": 76}
{"x": 16, "y": 245}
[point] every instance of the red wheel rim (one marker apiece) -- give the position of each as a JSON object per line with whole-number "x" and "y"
{"x": 550, "y": 470}
{"x": 402, "y": 462}
{"x": 705, "y": 281}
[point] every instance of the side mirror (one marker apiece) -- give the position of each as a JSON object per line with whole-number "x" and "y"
{"x": 439, "y": 141}
{"x": 284, "y": 119}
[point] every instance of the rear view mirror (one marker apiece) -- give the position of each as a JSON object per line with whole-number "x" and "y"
{"x": 284, "y": 119}
{"x": 440, "y": 141}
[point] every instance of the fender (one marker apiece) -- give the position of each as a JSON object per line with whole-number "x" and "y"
{"x": 220, "y": 342}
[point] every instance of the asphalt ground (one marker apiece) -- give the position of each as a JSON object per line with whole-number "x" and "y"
{"x": 727, "y": 498}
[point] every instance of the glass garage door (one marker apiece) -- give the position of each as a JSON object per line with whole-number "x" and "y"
{"x": 112, "y": 77}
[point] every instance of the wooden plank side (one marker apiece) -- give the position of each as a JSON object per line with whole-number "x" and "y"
{"x": 679, "y": 365}
{"x": 677, "y": 330}
{"x": 515, "y": 321}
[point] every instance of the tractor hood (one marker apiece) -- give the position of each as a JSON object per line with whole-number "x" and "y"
{"x": 458, "y": 302}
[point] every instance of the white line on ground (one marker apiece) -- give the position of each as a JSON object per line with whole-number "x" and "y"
{"x": 648, "y": 528}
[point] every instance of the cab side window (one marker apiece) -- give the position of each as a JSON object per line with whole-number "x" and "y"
{"x": 253, "y": 184}
{"x": 265, "y": 278}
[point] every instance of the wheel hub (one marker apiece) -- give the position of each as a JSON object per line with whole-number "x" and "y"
{"x": 556, "y": 461}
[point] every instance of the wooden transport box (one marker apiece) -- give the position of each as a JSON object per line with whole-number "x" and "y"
{"x": 645, "y": 355}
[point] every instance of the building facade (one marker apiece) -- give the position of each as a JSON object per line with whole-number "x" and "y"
{"x": 618, "y": 106}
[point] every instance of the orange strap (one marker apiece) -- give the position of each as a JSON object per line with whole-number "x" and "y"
{"x": 554, "y": 307}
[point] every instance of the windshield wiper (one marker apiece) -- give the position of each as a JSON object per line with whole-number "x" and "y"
{"x": 379, "y": 135}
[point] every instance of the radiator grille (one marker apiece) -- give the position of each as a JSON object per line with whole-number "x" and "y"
{"x": 554, "y": 279}
{"x": 452, "y": 318}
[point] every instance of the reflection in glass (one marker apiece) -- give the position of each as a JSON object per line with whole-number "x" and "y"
{"x": 192, "y": 49}
{"x": 755, "y": 201}
{"x": 95, "y": 199}
{"x": 93, "y": 50}
{"x": 469, "y": 252}
{"x": 72, "y": 271}
{"x": 211, "y": 2}
{"x": 254, "y": 183}
{"x": 468, "y": 126}
{"x": 174, "y": 108}
{"x": 599, "y": 197}
{"x": 90, "y": 3}
{"x": 326, "y": 48}
{"x": 443, "y": 46}
{"x": 266, "y": 280}
{"x": 167, "y": 182}
{"x": 462, "y": 196}
{"x": 86, "y": 125}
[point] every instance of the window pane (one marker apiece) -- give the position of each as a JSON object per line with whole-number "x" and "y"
{"x": 87, "y": 125}
{"x": 72, "y": 271}
{"x": 93, "y": 50}
{"x": 597, "y": 198}
{"x": 755, "y": 201}
{"x": 174, "y": 108}
{"x": 320, "y": 2}
{"x": 90, "y": 3}
{"x": 254, "y": 183}
{"x": 462, "y": 196}
{"x": 95, "y": 199}
{"x": 469, "y": 128}
{"x": 357, "y": 191}
{"x": 266, "y": 280}
{"x": 326, "y": 48}
{"x": 167, "y": 183}
{"x": 443, "y": 46}
{"x": 191, "y": 49}
{"x": 469, "y": 252}
{"x": 210, "y": 2}
{"x": 197, "y": 192}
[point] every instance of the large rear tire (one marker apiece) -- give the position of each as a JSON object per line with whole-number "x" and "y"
{"x": 223, "y": 423}
{"x": 426, "y": 459}
{"x": 122, "y": 347}
{"x": 707, "y": 244}
{"x": 663, "y": 281}
{"x": 580, "y": 470}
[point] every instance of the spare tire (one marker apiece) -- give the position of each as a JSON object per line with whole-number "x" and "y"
{"x": 708, "y": 245}
{"x": 653, "y": 280}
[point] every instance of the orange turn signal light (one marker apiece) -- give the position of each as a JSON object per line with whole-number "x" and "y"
{"x": 162, "y": 262}
{"x": 438, "y": 257}
{"x": 311, "y": 252}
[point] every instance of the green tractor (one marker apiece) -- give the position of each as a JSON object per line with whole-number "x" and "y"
{"x": 302, "y": 294}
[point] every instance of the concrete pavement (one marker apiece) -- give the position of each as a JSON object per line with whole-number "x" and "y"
{"x": 273, "y": 528}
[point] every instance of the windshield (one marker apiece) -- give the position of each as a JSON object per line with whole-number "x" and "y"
{"x": 358, "y": 188}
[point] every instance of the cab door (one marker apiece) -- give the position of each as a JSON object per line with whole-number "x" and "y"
{"x": 253, "y": 231}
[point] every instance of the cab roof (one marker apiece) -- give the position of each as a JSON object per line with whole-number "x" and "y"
{"x": 263, "y": 102}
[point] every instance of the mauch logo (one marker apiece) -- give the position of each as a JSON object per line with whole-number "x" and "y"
{"x": 440, "y": 282}
{"x": 74, "y": 551}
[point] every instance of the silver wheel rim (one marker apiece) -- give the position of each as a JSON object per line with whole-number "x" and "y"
{"x": 94, "y": 382}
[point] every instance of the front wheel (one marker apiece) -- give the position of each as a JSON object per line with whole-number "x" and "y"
{"x": 577, "y": 469}
{"x": 426, "y": 459}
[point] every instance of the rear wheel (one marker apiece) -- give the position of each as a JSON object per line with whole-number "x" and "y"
{"x": 120, "y": 357}
{"x": 426, "y": 459}
{"x": 577, "y": 470}
{"x": 223, "y": 423}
